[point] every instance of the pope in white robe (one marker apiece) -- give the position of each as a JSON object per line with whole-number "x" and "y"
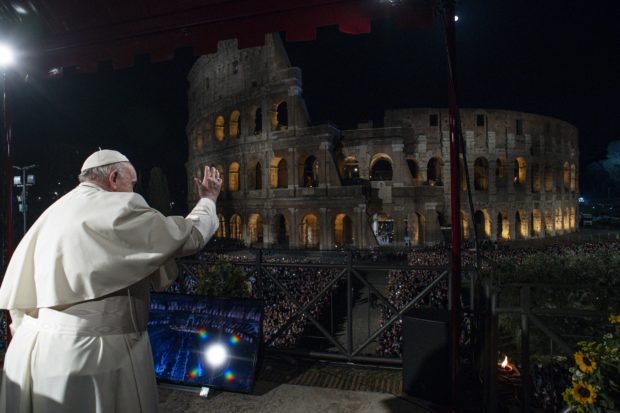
{"x": 77, "y": 288}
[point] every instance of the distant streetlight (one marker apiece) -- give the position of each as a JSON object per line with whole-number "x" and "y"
{"x": 23, "y": 182}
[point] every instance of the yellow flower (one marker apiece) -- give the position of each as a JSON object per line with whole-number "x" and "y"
{"x": 614, "y": 319}
{"x": 585, "y": 363}
{"x": 584, "y": 393}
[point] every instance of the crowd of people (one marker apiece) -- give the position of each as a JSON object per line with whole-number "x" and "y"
{"x": 302, "y": 283}
{"x": 404, "y": 285}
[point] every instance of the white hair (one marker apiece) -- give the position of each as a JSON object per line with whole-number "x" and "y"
{"x": 100, "y": 174}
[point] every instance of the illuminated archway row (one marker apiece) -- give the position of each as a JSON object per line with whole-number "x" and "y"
{"x": 230, "y": 126}
{"x": 309, "y": 230}
{"x": 538, "y": 223}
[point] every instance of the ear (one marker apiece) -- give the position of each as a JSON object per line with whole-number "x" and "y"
{"x": 112, "y": 178}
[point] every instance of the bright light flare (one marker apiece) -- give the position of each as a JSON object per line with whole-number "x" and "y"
{"x": 216, "y": 355}
{"x": 7, "y": 56}
{"x": 456, "y": 18}
{"x": 505, "y": 362}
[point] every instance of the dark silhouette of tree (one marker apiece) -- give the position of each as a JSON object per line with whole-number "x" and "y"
{"x": 159, "y": 194}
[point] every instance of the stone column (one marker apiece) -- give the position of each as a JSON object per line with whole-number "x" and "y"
{"x": 398, "y": 169}
{"x": 325, "y": 241}
{"x": 293, "y": 238}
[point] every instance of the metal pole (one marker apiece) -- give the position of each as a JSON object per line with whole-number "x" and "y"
{"x": 24, "y": 195}
{"x": 8, "y": 245}
{"x": 455, "y": 203}
{"x": 525, "y": 349}
{"x": 349, "y": 305}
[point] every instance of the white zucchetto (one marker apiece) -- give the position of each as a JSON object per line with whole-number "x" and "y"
{"x": 103, "y": 157}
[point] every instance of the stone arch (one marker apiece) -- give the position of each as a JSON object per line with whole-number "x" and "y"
{"x": 501, "y": 171}
{"x": 381, "y": 167}
{"x": 383, "y": 228}
{"x": 548, "y": 222}
{"x": 536, "y": 222}
{"x": 558, "y": 219}
{"x": 548, "y": 177}
{"x": 255, "y": 227}
{"x": 566, "y": 175}
{"x": 434, "y": 171}
{"x": 520, "y": 171}
{"x": 280, "y": 231}
{"x": 258, "y": 121}
{"x": 350, "y": 171}
{"x": 573, "y": 178}
{"x": 481, "y": 174}
{"x": 233, "y": 124}
{"x": 233, "y": 176}
{"x": 281, "y": 116}
{"x": 309, "y": 234}
{"x": 309, "y": 175}
{"x": 464, "y": 224}
{"x": 462, "y": 174}
{"x": 278, "y": 173}
{"x": 255, "y": 175}
{"x": 482, "y": 223}
{"x": 343, "y": 230}
{"x": 221, "y": 231}
{"x": 521, "y": 225}
{"x": 236, "y": 227}
{"x": 503, "y": 226}
{"x": 199, "y": 138}
{"x": 219, "y": 128}
{"x": 414, "y": 170}
{"x": 535, "y": 177}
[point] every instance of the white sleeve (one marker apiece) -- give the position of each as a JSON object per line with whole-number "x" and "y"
{"x": 204, "y": 218}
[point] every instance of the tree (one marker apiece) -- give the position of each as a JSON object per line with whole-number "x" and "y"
{"x": 612, "y": 163}
{"x": 159, "y": 195}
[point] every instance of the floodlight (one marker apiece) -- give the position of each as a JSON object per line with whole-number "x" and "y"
{"x": 7, "y": 56}
{"x": 216, "y": 355}
{"x": 17, "y": 180}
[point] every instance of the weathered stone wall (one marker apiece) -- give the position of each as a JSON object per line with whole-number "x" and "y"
{"x": 300, "y": 185}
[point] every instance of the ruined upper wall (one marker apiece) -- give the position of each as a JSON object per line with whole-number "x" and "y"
{"x": 507, "y": 128}
{"x": 232, "y": 76}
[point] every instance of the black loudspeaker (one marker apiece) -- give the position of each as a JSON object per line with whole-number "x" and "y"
{"x": 426, "y": 355}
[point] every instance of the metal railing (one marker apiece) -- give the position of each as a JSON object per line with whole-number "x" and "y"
{"x": 530, "y": 317}
{"x": 349, "y": 272}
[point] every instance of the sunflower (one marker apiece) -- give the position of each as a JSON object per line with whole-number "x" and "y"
{"x": 584, "y": 393}
{"x": 585, "y": 363}
{"x": 614, "y": 319}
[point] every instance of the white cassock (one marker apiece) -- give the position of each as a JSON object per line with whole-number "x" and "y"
{"x": 77, "y": 288}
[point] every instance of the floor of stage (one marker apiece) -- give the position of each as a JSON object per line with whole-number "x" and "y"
{"x": 286, "y": 385}
{"x": 287, "y": 398}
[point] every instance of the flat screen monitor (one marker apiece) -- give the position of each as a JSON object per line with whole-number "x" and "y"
{"x": 204, "y": 341}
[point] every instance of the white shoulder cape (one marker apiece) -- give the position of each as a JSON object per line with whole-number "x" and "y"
{"x": 88, "y": 244}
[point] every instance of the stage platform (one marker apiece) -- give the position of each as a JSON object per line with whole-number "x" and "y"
{"x": 286, "y": 386}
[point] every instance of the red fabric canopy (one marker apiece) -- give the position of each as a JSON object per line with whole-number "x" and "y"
{"x": 63, "y": 33}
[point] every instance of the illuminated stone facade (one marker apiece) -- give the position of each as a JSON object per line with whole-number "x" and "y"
{"x": 292, "y": 184}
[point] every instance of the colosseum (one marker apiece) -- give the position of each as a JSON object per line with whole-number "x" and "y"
{"x": 291, "y": 183}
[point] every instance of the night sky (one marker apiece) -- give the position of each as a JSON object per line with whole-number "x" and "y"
{"x": 553, "y": 58}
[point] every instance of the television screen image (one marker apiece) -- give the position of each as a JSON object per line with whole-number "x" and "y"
{"x": 205, "y": 341}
